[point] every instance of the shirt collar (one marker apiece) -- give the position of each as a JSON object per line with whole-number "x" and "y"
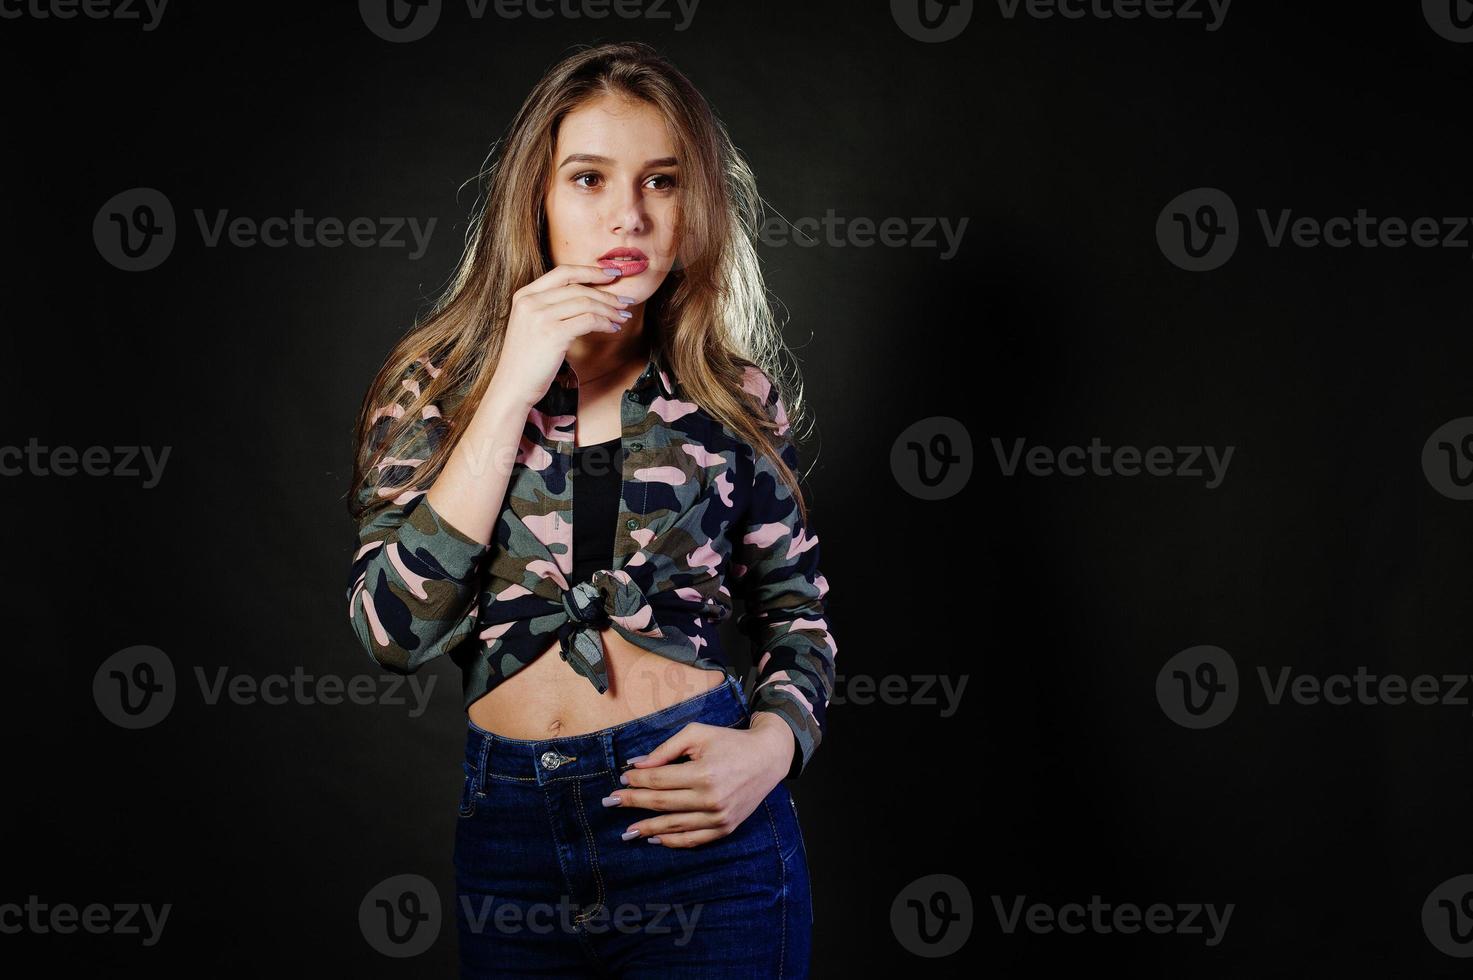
{"x": 657, "y": 378}
{"x": 659, "y": 373}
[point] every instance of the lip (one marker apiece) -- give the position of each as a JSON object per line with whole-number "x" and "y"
{"x": 636, "y": 262}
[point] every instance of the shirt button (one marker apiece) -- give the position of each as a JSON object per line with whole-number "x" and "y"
{"x": 631, "y": 524}
{"x": 636, "y": 446}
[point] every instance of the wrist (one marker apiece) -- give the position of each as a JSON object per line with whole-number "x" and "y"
{"x": 774, "y": 730}
{"x": 504, "y": 401}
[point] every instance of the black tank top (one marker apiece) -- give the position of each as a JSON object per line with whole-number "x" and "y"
{"x": 598, "y": 476}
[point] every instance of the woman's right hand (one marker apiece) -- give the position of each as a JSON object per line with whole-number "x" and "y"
{"x": 546, "y": 314}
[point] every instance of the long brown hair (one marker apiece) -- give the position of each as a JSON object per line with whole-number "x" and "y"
{"x": 710, "y": 318}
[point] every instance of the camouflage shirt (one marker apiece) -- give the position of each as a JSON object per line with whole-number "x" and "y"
{"x": 702, "y": 515}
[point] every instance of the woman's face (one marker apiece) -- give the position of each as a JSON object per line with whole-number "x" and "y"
{"x": 615, "y": 189}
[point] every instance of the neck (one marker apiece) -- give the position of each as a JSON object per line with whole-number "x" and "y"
{"x": 601, "y": 360}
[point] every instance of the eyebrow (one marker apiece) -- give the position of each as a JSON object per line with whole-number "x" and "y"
{"x": 595, "y": 158}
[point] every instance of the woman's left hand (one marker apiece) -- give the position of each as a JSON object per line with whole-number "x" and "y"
{"x": 731, "y": 771}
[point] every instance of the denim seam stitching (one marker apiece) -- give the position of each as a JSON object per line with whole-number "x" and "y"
{"x": 557, "y": 842}
{"x": 593, "y": 856}
{"x": 782, "y": 869}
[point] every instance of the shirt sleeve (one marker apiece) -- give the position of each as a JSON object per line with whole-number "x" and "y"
{"x": 776, "y": 562}
{"x": 414, "y": 582}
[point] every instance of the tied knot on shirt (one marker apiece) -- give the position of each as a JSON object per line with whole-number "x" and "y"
{"x": 607, "y": 599}
{"x": 584, "y": 604}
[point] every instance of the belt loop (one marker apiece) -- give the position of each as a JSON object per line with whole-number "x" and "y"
{"x": 736, "y": 692}
{"x": 607, "y": 740}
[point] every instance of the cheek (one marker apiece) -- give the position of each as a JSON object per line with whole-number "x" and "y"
{"x": 569, "y": 217}
{"x": 669, "y": 232}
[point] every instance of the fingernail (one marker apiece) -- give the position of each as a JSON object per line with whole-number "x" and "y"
{"x": 653, "y": 840}
{"x": 626, "y": 314}
{"x": 624, "y": 778}
{"x": 614, "y": 272}
{"x": 629, "y": 835}
{"x": 637, "y": 758}
{"x": 610, "y": 801}
{"x": 626, "y": 299}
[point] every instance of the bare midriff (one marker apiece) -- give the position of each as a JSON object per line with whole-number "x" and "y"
{"x": 548, "y": 699}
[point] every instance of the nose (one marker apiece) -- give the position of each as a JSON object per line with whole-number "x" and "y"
{"x": 629, "y": 215}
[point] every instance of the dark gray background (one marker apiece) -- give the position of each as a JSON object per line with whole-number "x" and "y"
{"x": 1058, "y": 599}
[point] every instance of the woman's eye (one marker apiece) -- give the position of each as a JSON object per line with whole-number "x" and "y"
{"x": 660, "y": 182}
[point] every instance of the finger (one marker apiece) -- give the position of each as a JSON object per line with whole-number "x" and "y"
{"x": 674, "y": 775}
{"x": 689, "y": 737}
{"x": 563, "y": 274}
{"x": 670, "y": 823}
{"x": 692, "y": 838}
{"x": 577, "y": 305}
{"x": 665, "y": 800}
{"x": 573, "y": 290}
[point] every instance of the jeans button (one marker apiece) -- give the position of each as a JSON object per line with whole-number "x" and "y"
{"x": 551, "y": 760}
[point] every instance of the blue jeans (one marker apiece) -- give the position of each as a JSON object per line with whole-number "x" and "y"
{"x": 546, "y": 887}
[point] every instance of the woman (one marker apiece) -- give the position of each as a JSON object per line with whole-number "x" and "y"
{"x": 607, "y": 331}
